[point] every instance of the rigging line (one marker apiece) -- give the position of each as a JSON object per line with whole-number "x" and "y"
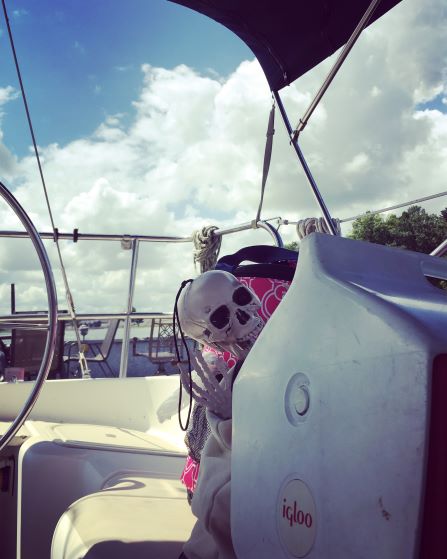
{"x": 282, "y": 221}
{"x": 28, "y": 116}
{"x": 396, "y": 206}
{"x": 82, "y": 361}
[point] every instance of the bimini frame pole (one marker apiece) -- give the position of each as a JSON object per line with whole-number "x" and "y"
{"x": 335, "y": 68}
{"x": 294, "y": 134}
{"x": 313, "y": 184}
{"x": 135, "y": 246}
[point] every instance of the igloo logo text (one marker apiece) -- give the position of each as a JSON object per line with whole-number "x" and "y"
{"x": 295, "y": 515}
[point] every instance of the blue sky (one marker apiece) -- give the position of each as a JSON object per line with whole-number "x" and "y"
{"x": 81, "y": 60}
{"x": 151, "y": 119}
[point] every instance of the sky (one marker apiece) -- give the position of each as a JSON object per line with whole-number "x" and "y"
{"x": 151, "y": 119}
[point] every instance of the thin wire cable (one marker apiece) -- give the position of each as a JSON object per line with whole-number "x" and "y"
{"x": 281, "y": 221}
{"x": 396, "y": 206}
{"x": 82, "y": 360}
{"x": 174, "y": 319}
{"x": 28, "y": 116}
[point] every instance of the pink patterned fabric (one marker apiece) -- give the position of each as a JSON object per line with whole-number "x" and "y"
{"x": 270, "y": 293}
{"x": 190, "y": 474}
{"x": 228, "y": 357}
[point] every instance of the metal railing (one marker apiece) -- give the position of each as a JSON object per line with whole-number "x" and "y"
{"x": 51, "y": 327}
{"x": 128, "y": 242}
{"x": 75, "y": 236}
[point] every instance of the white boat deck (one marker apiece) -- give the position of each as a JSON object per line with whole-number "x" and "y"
{"x": 94, "y": 452}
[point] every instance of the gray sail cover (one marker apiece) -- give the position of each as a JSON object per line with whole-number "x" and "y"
{"x": 289, "y": 37}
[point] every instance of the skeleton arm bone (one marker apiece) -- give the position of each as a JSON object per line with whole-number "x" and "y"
{"x": 212, "y": 389}
{"x": 169, "y": 407}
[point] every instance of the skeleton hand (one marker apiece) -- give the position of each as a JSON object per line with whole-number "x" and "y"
{"x": 211, "y": 385}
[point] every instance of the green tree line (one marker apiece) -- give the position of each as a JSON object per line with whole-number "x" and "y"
{"x": 414, "y": 229}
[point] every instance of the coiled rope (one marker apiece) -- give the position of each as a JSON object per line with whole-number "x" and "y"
{"x": 206, "y": 247}
{"x": 310, "y": 225}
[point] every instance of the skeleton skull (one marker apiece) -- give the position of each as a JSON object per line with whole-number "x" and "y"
{"x": 217, "y": 310}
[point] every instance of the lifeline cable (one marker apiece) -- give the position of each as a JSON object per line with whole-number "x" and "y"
{"x": 395, "y": 207}
{"x": 174, "y": 319}
{"x": 281, "y": 221}
{"x": 82, "y": 360}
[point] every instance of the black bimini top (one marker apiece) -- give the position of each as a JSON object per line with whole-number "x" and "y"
{"x": 289, "y": 37}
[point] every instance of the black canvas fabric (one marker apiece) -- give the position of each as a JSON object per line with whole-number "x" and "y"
{"x": 269, "y": 262}
{"x": 289, "y": 37}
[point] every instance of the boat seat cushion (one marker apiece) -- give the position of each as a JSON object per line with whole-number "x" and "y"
{"x": 133, "y": 516}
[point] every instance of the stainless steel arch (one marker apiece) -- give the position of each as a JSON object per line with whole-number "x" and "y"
{"x": 52, "y": 315}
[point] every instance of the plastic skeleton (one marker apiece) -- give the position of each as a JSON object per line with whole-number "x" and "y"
{"x": 169, "y": 407}
{"x": 216, "y": 310}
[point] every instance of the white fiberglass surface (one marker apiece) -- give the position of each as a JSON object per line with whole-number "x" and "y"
{"x": 319, "y": 480}
{"x": 23, "y": 431}
{"x": 127, "y": 405}
{"x": 156, "y": 511}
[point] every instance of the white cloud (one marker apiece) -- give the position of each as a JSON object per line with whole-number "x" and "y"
{"x": 20, "y": 13}
{"x": 79, "y": 47}
{"x": 8, "y": 94}
{"x": 360, "y": 163}
{"x": 193, "y": 155}
{"x": 123, "y": 68}
{"x": 7, "y": 159}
